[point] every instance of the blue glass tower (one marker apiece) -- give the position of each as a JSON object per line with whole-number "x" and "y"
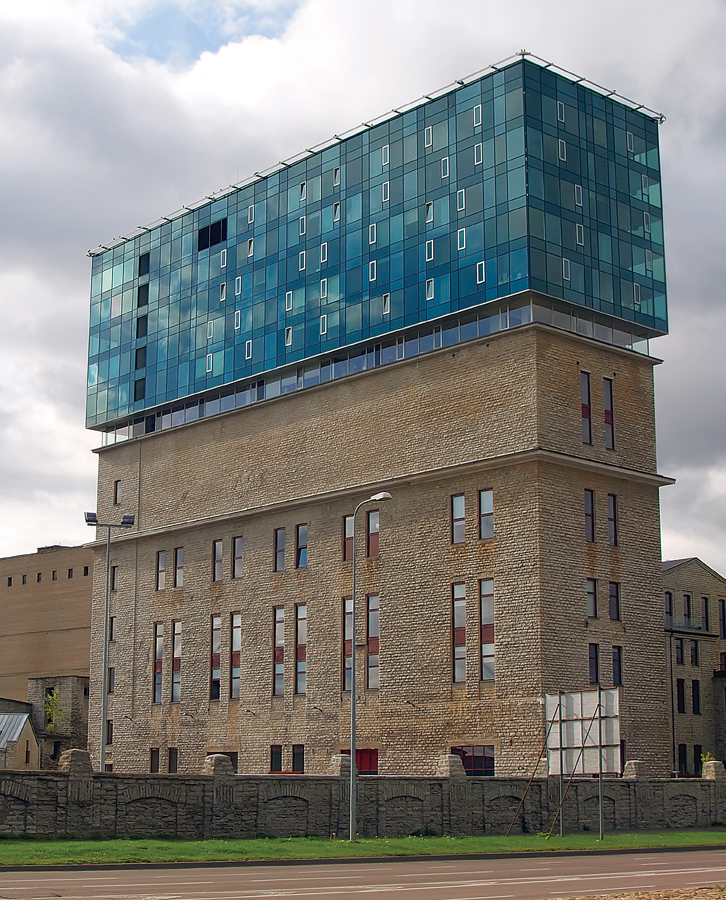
{"x": 519, "y": 195}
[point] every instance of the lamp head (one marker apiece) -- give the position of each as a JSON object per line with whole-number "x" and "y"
{"x": 91, "y": 518}
{"x": 127, "y": 521}
{"x": 384, "y": 495}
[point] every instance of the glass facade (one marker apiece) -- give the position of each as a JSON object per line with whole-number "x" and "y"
{"x": 410, "y": 235}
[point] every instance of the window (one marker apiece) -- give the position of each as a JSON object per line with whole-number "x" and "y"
{"x": 458, "y": 521}
{"x": 223, "y": 260}
{"x": 579, "y": 235}
{"x": 445, "y": 167}
{"x": 143, "y": 264}
{"x": 589, "y": 516}
{"x": 366, "y": 760}
{"x": 288, "y": 337}
{"x": 617, "y": 666}
{"x": 298, "y": 758}
{"x": 178, "y": 567}
{"x": 372, "y": 634}
{"x": 109, "y": 731}
{"x": 480, "y": 272}
{"x": 649, "y": 260}
{"x": 238, "y": 288}
{"x": 237, "y": 319}
{"x": 687, "y": 610}
{"x": 429, "y": 212}
{"x": 347, "y": 643}
{"x": 384, "y": 155}
{"x": 679, "y": 651}
{"x": 301, "y": 631}
{"x": 336, "y": 212}
{"x": 722, "y": 662}
{"x": 324, "y": 252}
{"x": 40, "y": 575}
{"x": 154, "y": 760}
{"x": 478, "y": 155}
{"x": 209, "y": 362}
{"x": 140, "y": 358}
{"x": 160, "y": 570}
{"x": 593, "y": 664}
{"x": 578, "y": 195}
{"x": 111, "y": 679}
{"x": 250, "y": 214}
{"x": 372, "y": 236}
{"x": 301, "y": 546}
{"x": 85, "y": 571}
{"x": 10, "y": 580}
{"x": 486, "y": 514}
{"x": 630, "y": 142}
{"x": 213, "y": 234}
{"x": 217, "y": 561}
{"x": 215, "y": 671}
{"x": 565, "y": 269}
{"x": 385, "y": 192}
{"x": 461, "y": 200}
{"x": 386, "y": 304}
{"x": 158, "y": 659}
{"x": 694, "y": 653}
{"x": 237, "y": 547}
{"x": 560, "y": 111}
{"x": 458, "y": 632}
{"x": 586, "y": 407}
{"x": 608, "y": 413}
{"x": 302, "y": 225}
{"x": 278, "y": 650}
{"x": 722, "y": 618}
{"x": 173, "y": 760}
{"x": 612, "y": 520}
{"x": 486, "y": 603}
{"x": 323, "y": 324}
{"x": 139, "y": 389}
{"x": 176, "y": 651}
{"x": 562, "y": 150}
{"x": 477, "y": 115}
{"x": 592, "y": 598}
{"x": 234, "y": 655}
{"x": 429, "y": 251}
{"x": 704, "y": 614}
{"x": 682, "y": 760}
{"x": 288, "y": 301}
{"x": 373, "y": 530}
{"x": 615, "y": 600}
{"x": 276, "y": 758}
{"x": 248, "y": 350}
{"x": 697, "y": 761}
{"x": 681, "y": 695}
{"x": 668, "y": 607}
{"x": 113, "y": 578}
{"x": 303, "y": 191}
{"x": 112, "y": 628}
{"x": 279, "y": 549}
{"x": 477, "y": 760}
{"x": 428, "y": 136}
{"x": 336, "y": 176}
{"x": 347, "y": 538}
{"x": 461, "y": 239}
{"x": 301, "y": 261}
{"x": 116, "y": 493}
{"x": 646, "y": 222}
{"x": 372, "y": 272}
{"x": 141, "y": 326}
{"x": 25, "y": 577}
{"x": 696, "y": 697}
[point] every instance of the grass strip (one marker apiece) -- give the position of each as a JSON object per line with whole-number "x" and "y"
{"x": 69, "y": 851}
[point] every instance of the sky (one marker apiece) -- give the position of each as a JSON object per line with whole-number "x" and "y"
{"x": 115, "y": 112}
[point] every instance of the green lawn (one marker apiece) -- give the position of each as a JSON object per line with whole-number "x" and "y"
{"x": 40, "y": 851}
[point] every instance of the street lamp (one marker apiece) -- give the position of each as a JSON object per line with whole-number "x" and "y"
{"x": 126, "y": 522}
{"x": 376, "y": 498}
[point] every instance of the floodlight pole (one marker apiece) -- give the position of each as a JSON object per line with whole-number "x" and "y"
{"x": 126, "y": 522}
{"x": 352, "y": 835}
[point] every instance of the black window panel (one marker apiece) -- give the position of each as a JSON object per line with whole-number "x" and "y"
{"x": 140, "y": 357}
{"x": 144, "y": 264}
{"x": 212, "y": 234}
{"x": 140, "y": 389}
{"x": 203, "y": 238}
{"x": 141, "y": 326}
{"x": 142, "y": 296}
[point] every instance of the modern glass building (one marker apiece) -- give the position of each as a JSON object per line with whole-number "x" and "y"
{"x": 521, "y": 194}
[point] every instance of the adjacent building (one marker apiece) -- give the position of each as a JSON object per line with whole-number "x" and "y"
{"x": 454, "y": 305}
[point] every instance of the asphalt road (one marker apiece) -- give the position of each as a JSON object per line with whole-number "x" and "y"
{"x": 533, "y": 878}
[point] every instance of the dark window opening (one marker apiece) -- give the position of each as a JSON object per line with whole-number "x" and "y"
{"x": 276, "y": 758}
{"x": 139, "y": 389}
{"x": 298, "y": 758}
{"x": 212, "y": 234}
{"x": 173, "y": 760}
{"x": 140, "y": 357}
{"x": 142, "y": 295}
{"x": 141, "y": 326}
{"x": 477, "y": 759}
{"x": 143, "y": 264}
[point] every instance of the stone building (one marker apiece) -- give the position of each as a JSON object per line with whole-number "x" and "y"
{"x": 695, "y": 630}
{"x": 454, "y": 306}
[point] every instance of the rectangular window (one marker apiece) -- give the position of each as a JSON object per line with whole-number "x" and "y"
{"x": 214, "y": 665}
{"x": 694, "y": 653}
{"x": 109, "y": 732}
{"x": 636, "y": 294}
{"x": 223, "y": 260}
{"x": 696, "y": 697}
{"x": 458, "y": 632}
{"x": 722, "y": 618}
{"x": 630, "y": 141}
{"x": 697, "y": 760}
{"x": 648, "y": 260}
{"x": 586, "y": 407}
{"x": 217, "y": 561}
{"x": 323, "y": 324}
{"x": 478, "y": 155}
{"x": 158, "y": 659}
{"x": 301, "y": 546}
{"x": 589, "y": 516}
{"x": 112, "y": 628}
{"x": 154, "y": 760}
{"x": 276, "y": 758}
{"x": 461, "y": 200}
{"x": 373, "y": 534}
{"x": 477, "y": 760}
{"x": 617, "y": 666}
{"x": 303, "y": 191}
{"x": 646, "y": 222}
{"x": 250, "y": 247}
{"x": 298, "y": 759}
{"x": 279, "y": 549}
{"x": 347, "y": 538}
{"x": 593, "y": 664}
{"x": 579, "y": 235}
{"x": 562, "y": 150}
{"x": 142, "y": 324}
{"x": 385, "y": 192}
{"x": 429, "y": 212}
{"x": 288, "y": 301}
{"x": 324, "y": 252}
{"x": 336, "y": 176}
{"x": 173, "y": 760}
{"x": 178, "y": 567}
{"x": 347, "y": 643}
{"x": 445, "y": 167}
{"x": 301, "y": 631}
{"x": 372, "y": 667}
{"x": 592, "y": 598}
{"x": 288, "y": 337}
{"x": 278, "y": 650}
{"x": 372, "y": 233}
{"x": 608, "y": 413}
{"x": 681, "y": 695}
{"x": 461, "y": 239}
{"x": 248, "y": 349}
{"x": 116, "y": 493}
{"x": 428, "y": 136}
{"x": 336, "y": 212}
{"x": 113, "y": 578}
{"x": 615, "y": 601}
{"x": 682, "y": 760}
{"x": 139, "y": 389}
{"x": 705, "y": 623}
{"x": 384, "y": 155}
{"x": 565, "y": 269}
{"x": 372, "y": 273}
{"x": 560, "y": 111}
{"x": 144, "y": 264}
{"x": 578, "y": 195}
{"x": 429, "y": 251}
{"x": 111, "y": 679}
{"x": 210, "y": 331}
{"x": 613, "y": 520}
{"x": 235, "y": 649}
{"x": 209, "y": 362}
{"x": 486, "y": 604}
{"x": 238, "y": 287}
{"x": 480, "y": 272}
{"x": 687, "y": 610}
{"x": 301, "y": 261}
{"x": 477, "y": 115}
{"x": 211, "y": 235}
{"x": 176, "y": 652}
{"x": 486, "y": 514}
{"x": 250, "y": 214}
{"x": 429, "y": 288}
{"x": 458, "y": 520}
{"x": 679, "y": 651}
{"x": 386, "y": 304}
{"x": 668, "y": 608}
{"x": 160, "y": 570}
{"x": 302, "y": 225}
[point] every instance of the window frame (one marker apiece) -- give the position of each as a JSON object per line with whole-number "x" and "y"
{"x": 278, "y": 651}
{"x": 301, "y": 546}
{"x": 178, "y": 567}
{"x": 160, "y": 570}
{"x": 486, "y": 629}
{"x": 613, "y": 520}
{"x": 301, "y": 613}
{"x": 458, "y": 632}
{"x": 217, "y": 560}
{"x": 176, "y": 659}
{"x": 594, "y": 663}
{"x": 372, "y": 642}
{"x": 592, "y": 598}
{"x": 237, "y": 556}
{"x": 373, "y": 532}
{"x": 215, "y": 672}
{"x": 458, "y": 518}
{"x": 614, "y": 601}
{"x": 278, "y": 549}
{"x": 486, "y": 514}
{"x": 235, "y": 651}
{"x": 609, "y": 413}
{"x": 586, "y": 405}
{"x": 590, "y": 516}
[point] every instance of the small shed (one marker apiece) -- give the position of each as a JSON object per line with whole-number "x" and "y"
{"x": 18, "y": 742}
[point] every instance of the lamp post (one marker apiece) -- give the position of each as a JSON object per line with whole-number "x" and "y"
{"x": 126, "y": 522}
{"x": 376, "y": 498}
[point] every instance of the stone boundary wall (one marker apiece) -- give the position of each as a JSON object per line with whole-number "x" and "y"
{"x": 218, "y": 803}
